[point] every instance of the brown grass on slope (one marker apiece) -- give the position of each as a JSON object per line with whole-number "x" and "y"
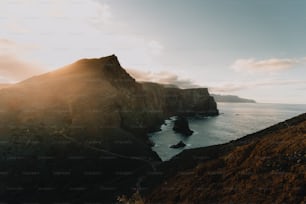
{"x": 267, "y": 167}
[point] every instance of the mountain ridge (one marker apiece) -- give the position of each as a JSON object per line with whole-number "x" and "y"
{"x": 91, "y": 109}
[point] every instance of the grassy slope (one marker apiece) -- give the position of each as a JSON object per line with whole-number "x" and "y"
{"x": 265, "y": 167}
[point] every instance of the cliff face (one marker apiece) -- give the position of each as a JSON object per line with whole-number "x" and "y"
{"x": 93, "y": 95}
{"x": 190, "y": 102}
{"x": 265, "y": 167}
{"x": 163, "y": 102}
{"x": 91, "y": 110}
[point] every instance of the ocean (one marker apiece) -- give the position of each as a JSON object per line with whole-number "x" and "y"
{"x": 235, "y": 120}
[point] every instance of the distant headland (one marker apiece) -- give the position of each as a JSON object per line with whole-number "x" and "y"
{"x": 231, "y": 99}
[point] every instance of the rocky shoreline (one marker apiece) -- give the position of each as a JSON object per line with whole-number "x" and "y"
{"x": 264, "y": 167}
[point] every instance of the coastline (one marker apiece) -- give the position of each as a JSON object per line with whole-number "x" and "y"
{"x": 234, "y": 122}
{"x": 228, "y": 159}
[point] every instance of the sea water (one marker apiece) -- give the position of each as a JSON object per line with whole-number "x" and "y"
{"x": 235, "y": 120}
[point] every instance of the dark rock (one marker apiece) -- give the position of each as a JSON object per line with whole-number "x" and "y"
{"x": 181, "y": 126}
{"x": 178, "y": 145}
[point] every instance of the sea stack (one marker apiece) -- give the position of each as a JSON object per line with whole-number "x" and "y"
{"x": 181, "y": 126}
{"x": 178, "y": 145}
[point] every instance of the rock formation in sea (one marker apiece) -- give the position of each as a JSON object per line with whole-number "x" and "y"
{"x": 181, "y": 125}
{"x": 180, "y": 144}
{"x": 81, "y": 131}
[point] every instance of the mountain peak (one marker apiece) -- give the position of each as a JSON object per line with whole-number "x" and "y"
{"x": 110, "y": 57}
{"x": 111, "y": 60}
{"x": 92, "y": 65}
{"x": 108, "y": 60}
{"x": 107, "y": 68}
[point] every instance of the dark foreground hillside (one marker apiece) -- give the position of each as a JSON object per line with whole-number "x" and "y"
{"x": 265, "y": 167}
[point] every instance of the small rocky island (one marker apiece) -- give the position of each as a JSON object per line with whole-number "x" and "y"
{"x": 181, "y": 125}
{"x": 178, "y": 145}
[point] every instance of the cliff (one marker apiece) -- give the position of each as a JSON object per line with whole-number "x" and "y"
{"x": 231, "y": 99}
{"x": 89, "y": 116}
{"x": 166, "y": 102}
{"x": 265, "y": 167}
{"x": 98, "y": 94}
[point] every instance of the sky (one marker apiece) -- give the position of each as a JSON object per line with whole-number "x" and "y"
{"x": 253, "y": 49}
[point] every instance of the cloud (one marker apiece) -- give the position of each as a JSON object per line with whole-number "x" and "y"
{"x": 6, "y": 42}
{"x": 65, "y": 31}
{"x": 162, "y": 78}
{"x": 9, "y": 46}
{"x": 156, "y": 47}
{"x": 225, "y": 87}
{"x": 268, "y": 65}
{"x": 13, "y": 69}
{"x": 232, "y": 87}
{"x": 12, "y": 65}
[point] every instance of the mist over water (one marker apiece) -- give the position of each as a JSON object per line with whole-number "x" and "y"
{"x": 235, "y": 120}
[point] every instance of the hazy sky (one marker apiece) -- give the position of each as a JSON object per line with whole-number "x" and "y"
{"x": 254, "y": 49}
